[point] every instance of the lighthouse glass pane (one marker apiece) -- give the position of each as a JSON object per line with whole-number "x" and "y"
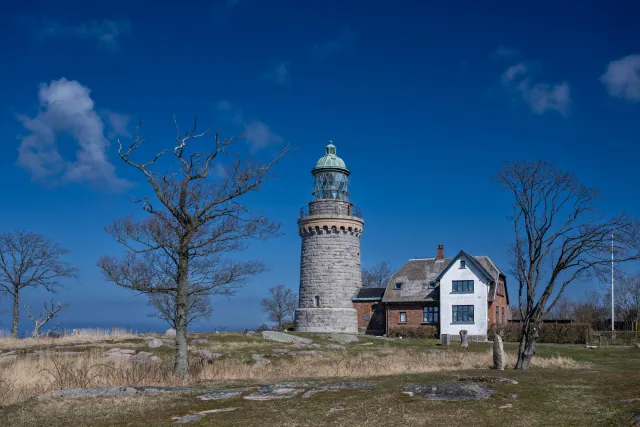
{"x": 330, "y": 185}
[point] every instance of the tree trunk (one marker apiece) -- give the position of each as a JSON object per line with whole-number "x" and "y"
{"x": 36, "y": 331}
{"x": 181, "y": 367}
{"x": 527, "y": 348}
{"x": 16, "y": 315}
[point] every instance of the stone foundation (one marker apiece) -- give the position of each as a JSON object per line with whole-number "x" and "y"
{"x": 326, "y": 320}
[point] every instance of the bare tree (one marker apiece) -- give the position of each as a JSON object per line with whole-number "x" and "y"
{"x": 30, "y": 260}
{"x": 563, "y": 309}
{"x": 629, "y": 296}
{"x": 281, "y": 305}
{"x": 164, "y": 304}
{"x": 44, "y": 316}
{"x": 195, "y": 221}
{"x": 559, "y": 237}
{"x": 377, "y": 276}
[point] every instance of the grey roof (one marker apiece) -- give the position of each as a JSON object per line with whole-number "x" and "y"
{"x": 370, "y": 294}
{"x": 417, "y": 275}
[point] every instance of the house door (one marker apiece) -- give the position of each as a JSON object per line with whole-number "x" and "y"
{"x": 377, "y": 317}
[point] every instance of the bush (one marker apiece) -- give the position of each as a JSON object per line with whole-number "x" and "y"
{"x": 617, "y": 337}
{"x": 422, "y": 331}
{"x": 569, "y": 333}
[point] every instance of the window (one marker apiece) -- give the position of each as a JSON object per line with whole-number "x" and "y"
{"x": 317, "y": 301}
{"x": 463, "y": 286}
{"x": 398, "y": 285}
{"x": 432, "y": 284}
{"x": 497, "y": 315}
{"x": 503, "y": 319}
{"x": 430, "y": 314}
{"x": 462, "y": 314}
{"x": 403, "y": 317}
{"x": 463, "y": 264}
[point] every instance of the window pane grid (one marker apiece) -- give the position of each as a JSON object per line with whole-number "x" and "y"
{"x": 462, "y": 286}
{"x": 430, "y": 314}
{"x": 463, "y": 314}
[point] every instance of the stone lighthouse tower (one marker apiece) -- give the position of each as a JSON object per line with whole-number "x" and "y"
{"x": 330, "y": 270}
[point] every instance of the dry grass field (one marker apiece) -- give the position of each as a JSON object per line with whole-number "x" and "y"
{"x": 568, "y": 385}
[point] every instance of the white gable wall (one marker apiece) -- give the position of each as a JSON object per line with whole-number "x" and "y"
{"x": 478, "y": 299}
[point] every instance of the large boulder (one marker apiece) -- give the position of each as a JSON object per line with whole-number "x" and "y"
{"x": 464, "y": 338}
{"x": 170, "y": 332}
{"x": 282, "y": 337}
{"x": 206, "y": 357}
{"x": 343, "y": 338}
{"x": 449, "y": 391}
{"x": 154, "y": 343}
{"x": 259, "y": 360}
{"x": 498, "y": 353}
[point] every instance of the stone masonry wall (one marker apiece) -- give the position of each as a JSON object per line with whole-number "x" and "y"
{"x": 326, "y": 320}
{"x": 330, "y": 207}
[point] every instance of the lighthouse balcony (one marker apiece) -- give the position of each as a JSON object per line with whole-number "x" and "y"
{"x": 330, "y": 207}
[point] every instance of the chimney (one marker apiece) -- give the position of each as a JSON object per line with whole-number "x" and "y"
{"x": 440, "y": 256}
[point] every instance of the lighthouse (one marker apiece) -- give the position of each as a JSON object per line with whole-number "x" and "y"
{"x": 330, "y": 270}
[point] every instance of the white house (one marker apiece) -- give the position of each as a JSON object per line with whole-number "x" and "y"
{"x": 463, "y": 292}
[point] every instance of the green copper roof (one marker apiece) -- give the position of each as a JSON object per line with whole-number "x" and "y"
{"x": 330, "y": 160}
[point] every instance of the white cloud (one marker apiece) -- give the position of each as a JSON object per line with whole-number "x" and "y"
{"x": 344, "y": 42}
{"x": 119, "y": 124}
{"x": 107, "y": 32}
{"x": 540, "y": 96}
{"x": 257, "y": 133}
{"x": 279, "y": 73}
{"x": 622, "y": 78}
{"x": 66, "y": 109}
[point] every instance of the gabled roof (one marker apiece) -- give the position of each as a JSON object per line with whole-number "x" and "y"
{"x": 418, "y": 275}
{"x": 369, "y": 294}
{"x": 478, "y": 265}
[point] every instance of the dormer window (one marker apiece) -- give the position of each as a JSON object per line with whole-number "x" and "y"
{"x": 432, "y": 284}
{"x": 463, "y": 264}
{"x": 398, "y": 285}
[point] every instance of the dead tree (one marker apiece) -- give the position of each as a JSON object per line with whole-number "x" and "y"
{"x": 560, "y": 237}
{"x": 164, "y": 305}
{"x": 49, "y": 313}
{"x": 30, "y": 260}
{"x": 196, "y": 220}
{"x": 377, "y": 276}
{"x": 281, "y": 305}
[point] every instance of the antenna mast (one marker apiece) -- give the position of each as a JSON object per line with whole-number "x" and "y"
{"x": 612, "y": 304}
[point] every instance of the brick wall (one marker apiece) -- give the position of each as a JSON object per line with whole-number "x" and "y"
{"x": 499, "y": 302}
{"x": 365, "y": 317}
{"x": 414, "y": 314}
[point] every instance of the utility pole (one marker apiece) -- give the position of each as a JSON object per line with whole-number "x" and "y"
{"x": 612, "y": 304}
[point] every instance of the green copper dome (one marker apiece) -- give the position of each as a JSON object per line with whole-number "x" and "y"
{"x": 330, "y": 161}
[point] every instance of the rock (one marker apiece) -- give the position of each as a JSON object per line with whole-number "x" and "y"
{"x": 8, "y": 357}
{"x": 636, "y": 345}
{"x": 635, "y": 399}
{"x": 198, "y": 416}
{"x": 464, "y": 338}
{"x": 199, "y": 342}
{"x": 309, "y": 352}
{"x": 498, "y": 353}
{"x": 490, "y": 380}
{"x": 270, "y": 393}
{"x": 449, "y": 391}
{"x": 343, "y": 338}
{"x": 336, "y": 409}
{"x": 223, "y": 393}
{"x": 9, "y": 353}
{"x": 170, "y": 332}
{"x": 120, "y": 351}
{"x": 282, "y": 337}
{"x": 283, "y": 352}
{"x": 307, "y": 346}
{"x": 507, "y": 406}
{"x": 116, "y": 391}
{"x": 513, "y": 396}
{"x": 367, "y": 343}
{"x": 590, "y": 346}
{"x": 339, "y": 387}
{"x": 259, "y": 360}
{"x": 144, "y": 357}
{"x": 336, "y": 347}
{"x": 154, "y": 343}
{"x": 206, "y": 357}
{"x": 168, "y": 341}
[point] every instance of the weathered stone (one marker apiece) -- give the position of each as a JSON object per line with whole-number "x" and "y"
{"x": 449, "y": 391}
{"x": 282, "y": 337}
{"x": 339, "y": 387}
{"x": 120, "y": 351}
{"x": 270, "y": 393}
{"x": 490, "y": 380}
{"x": 198, "y": 416}
{"x": 144, "y": 357}
{"x": 154, "y": 343}
{"x": 259, "y": 360}
{"x": 115, "y": 391}
{"x": 168, "y": 341}
{"x": 634, "y": 399}
{"x": 636, "y": 345}
{"x": 170, "y": 332}
{"x": 199, "y": 342}
{"x": 507, "y": 406}
{"x": 464, "y": 338}
{"x": 223, "y": 393}
{"x": 498, "y": 353}
{"x": 343, "y": 338}
{"x": 336, "y": 347}
{"x": 8, "y": 357}
{"x": 283, "y": 352}
{"x": 206, "y": 356}
{"x": 310, "y": 346}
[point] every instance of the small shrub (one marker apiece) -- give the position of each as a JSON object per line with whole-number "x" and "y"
{"x": 569, "y": 333}
{"x": 422, "y": 331}
{"x": 617, "y": 337}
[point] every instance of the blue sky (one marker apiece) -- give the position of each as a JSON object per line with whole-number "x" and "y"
{"x": 424, "y": 102}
